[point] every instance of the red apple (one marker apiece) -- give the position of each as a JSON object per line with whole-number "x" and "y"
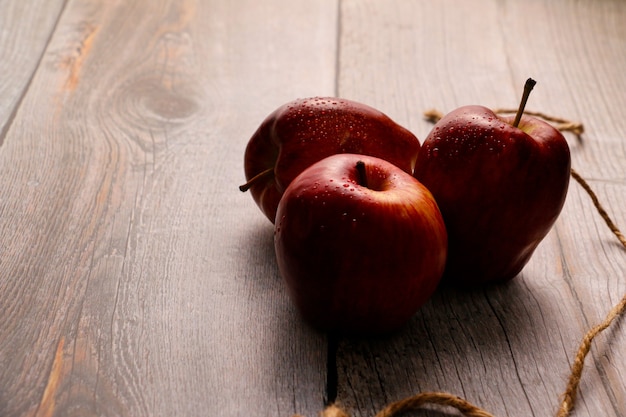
{"x": 500, "y": 188}
{"x": 304, "y": 131}
{"x": 360, "y": 244}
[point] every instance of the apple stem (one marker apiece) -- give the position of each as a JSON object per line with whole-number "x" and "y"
{"x": 528, "y": 87}
{"x": 258, "y": 177}
{"x": 362, "y": 177}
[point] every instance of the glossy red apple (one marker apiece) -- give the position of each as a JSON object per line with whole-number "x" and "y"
{"x": 304, "y": 131}
{"x": 360, "y": 243}
{"x": 500, "y": 188}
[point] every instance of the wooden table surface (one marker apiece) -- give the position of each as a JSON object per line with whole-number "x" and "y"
{"x": 135, "y": 278}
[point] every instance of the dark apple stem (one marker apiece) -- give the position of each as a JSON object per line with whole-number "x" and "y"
{"x": 362, "y": 177}
{"x": 332, "y": 379}
{"x": 258, "y": 177}
{"x": 528, "y": 87}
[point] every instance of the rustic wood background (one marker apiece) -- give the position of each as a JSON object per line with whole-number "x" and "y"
{"x": 136, "y": 280}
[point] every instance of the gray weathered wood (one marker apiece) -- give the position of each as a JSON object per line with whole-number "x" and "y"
{"x": 508, "y": 348}
{"x": 25, "y": 29}
{"x": 136, "y": 279}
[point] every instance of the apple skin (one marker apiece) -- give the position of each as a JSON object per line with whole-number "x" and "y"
{"x": 359, "y": 260}
{"x": 500, "y": 189}
{"x": 304, "y": 131}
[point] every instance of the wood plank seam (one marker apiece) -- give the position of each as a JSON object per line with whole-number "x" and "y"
{"x": 9, "y": 122}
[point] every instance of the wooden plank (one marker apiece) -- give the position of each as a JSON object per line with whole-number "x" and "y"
{"x": 26, "y": 29}
{"x": 508, "y": 348}
{"x": 136, "y": 279}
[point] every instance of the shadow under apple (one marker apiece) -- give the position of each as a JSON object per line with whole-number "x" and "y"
{"x": 466, "y": 342}
{"x": 463, "y": 341}
{"x": 289, "y": 357}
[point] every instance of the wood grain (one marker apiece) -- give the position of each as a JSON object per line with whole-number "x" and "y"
{"x": 26, "y": 30}
{"x": 136, "y": 279}
{"x": 509, "y": 348}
